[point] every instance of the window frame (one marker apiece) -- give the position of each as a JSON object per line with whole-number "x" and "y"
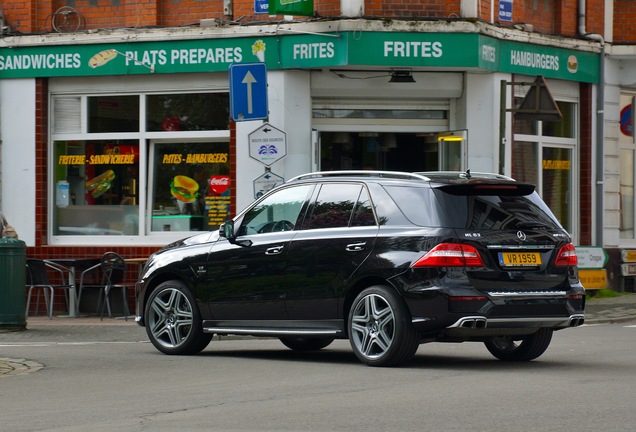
{"x": 569, "y": 143}
{"x": 626, "y": 144}
{"x": 63, "y": 91}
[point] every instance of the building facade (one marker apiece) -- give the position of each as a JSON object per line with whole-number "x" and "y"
{"x": 129, "y": 126}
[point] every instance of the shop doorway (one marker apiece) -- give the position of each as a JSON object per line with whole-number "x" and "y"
{"x": 392, "y": 151}
{"x": 557, "y": 183}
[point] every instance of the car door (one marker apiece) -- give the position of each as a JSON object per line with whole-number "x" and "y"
{"x": 247, "y": 275}
{"x": 337, "y": 235}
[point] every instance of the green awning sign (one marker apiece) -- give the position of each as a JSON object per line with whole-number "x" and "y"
{"x": 291, "y": 7}
{"x": 430, "y": 50}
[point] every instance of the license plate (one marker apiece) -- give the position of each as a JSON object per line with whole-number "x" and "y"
{"x": 516, "y": 259}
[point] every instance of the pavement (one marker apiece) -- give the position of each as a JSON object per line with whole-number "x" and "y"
{"x": 65, "y": 330}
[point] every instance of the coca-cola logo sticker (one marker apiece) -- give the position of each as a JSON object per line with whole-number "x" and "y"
{"x": 219, "y": 184}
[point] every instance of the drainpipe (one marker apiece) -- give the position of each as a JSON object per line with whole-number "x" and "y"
{"x": 600, "y": 124}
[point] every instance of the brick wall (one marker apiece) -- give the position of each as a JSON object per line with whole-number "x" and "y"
{"x": 585, "y": 168}
{"x": 547, "y": 16}
{"x": 624, "y": 17}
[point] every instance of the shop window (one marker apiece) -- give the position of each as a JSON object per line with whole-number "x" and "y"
{"x": 187, "y": 112}
{"x": 419, "y": 114}
{"x": 67, "y": 112}
{"x": 113, "y": 114}
{"x": 565, "y": 127}
{"x": 104, "y": 186}
{"x": 627, "y": 167}
{"x": 190, "y": 186}
{"x": 627, "y": 194}
{"x": 548, "y": 163}
{"x": 525, "y": 162}
{"x": 96, "y": 188}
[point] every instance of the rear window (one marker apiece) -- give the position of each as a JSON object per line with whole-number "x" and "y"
{"x": 474, "y": 208}
{"x": 497, "y": 208}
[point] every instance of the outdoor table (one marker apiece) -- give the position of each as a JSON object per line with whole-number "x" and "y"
{"x": 73, "y": 264}
{"x": 139, "y": 262}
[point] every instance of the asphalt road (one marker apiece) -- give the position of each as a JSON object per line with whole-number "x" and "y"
{"x": 584, "y": 382}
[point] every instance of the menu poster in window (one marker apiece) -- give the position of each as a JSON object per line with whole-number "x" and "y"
{"x": 217, "y": 200}
{"x": 191, "y": 186}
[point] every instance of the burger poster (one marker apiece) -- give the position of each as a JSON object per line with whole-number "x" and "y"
{"x": 191, "y": 181}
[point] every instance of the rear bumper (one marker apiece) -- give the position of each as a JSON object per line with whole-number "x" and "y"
{"x": 471, "y": 326}
{"x": 468, "y": 314}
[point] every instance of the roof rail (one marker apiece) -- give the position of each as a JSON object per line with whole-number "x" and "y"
{"x": 362, "y": 173}
{"x": 464, "y": 174}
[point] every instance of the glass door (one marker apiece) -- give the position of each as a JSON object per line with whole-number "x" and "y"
{"x": 452, "y": 150}
{"x": 557, "y": 183}
{"x": 392, "y": 151}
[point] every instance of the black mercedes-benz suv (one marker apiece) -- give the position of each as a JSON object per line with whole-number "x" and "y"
{"x": 388, "y": 260}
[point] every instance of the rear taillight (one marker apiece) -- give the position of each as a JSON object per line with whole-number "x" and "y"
{"x": 566, "y": 256}
{"x": 451, "y": 255}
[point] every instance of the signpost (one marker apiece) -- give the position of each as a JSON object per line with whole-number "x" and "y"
{"x": 592, "y": 261}
{"x": 248, "y": 91}
{"x": 267, "y": 144}
{"x": 266, "y": 182}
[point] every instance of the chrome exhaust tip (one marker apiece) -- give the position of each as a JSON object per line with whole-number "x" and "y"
{"x": 471, "y": 323}
{"x": 576, "y": 320}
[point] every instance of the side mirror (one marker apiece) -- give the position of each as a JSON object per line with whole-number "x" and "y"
{"x": 227, "y": 230}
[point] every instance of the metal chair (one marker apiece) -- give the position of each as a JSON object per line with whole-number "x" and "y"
{"x": 39, "y": 275}
{"x": 113, "y": 270}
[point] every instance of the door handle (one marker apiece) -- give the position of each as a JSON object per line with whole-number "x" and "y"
{"x": 356, "y": 247}
{"x": 274, "y": 250}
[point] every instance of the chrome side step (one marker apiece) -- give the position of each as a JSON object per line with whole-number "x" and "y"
{"x": 270, "y": 331}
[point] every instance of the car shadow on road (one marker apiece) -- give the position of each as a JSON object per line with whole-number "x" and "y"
{"x": 420, "y": 361}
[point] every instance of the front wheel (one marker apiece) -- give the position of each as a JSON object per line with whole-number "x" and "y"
{"x": 173, "y": 321}
{"x": 380, "y": 330}
{"x": 520, "y": 349}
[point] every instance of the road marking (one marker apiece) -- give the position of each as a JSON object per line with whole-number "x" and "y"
{"x": 46, "y": 344}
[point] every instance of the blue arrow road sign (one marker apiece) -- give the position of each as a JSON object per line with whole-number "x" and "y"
{"x": 248, "y": 91}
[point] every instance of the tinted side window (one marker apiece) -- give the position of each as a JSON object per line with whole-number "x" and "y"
{"x": 335, "y": 204}
{"x": 419, "y": 205}
{"x": 278, "y": 212}
{"x": 363, "y": 212}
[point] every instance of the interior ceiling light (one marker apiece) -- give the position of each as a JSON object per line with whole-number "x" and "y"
{"x": 401, "y": 76}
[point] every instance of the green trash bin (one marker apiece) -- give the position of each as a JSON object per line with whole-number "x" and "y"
{"x": 12, "y": 284}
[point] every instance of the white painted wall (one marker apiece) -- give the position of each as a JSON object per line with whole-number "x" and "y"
{"x": 482, "y": 121}
{"x": 352, "y": 8}
{"x": 289, "y": 101}
{"x": 17, "y": 134}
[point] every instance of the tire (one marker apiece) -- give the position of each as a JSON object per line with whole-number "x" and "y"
{"x": 525, "y": 349}
{"x": 380, "y": 330}
{"x": 173, "y": 320}
{"x": 306, "y": 344}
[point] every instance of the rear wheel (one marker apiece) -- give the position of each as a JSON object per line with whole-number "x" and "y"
{"x": 306, "y": 343}
{"x": 173, "y": 321}
{"x": 380, "y": 328}
{"x": 520, "y": 349}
